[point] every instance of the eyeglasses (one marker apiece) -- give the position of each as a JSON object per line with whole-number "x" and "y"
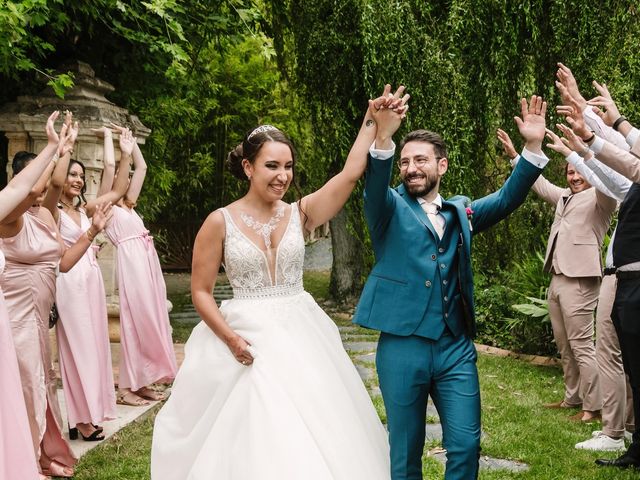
{"x": 418, "y": 162}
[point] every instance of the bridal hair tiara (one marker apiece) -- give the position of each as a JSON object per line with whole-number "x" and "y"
{"x": 261, "y": 129}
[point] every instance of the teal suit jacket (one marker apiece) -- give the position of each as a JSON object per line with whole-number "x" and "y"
{"x": 397, "y": 295}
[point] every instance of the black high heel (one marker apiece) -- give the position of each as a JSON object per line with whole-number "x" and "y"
{"x": 94, "y": 437}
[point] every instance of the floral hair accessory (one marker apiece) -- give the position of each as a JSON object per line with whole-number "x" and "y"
{"x": 261, "y": 129}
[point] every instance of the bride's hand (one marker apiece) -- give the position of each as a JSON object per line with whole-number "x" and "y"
{"x": 240, "y": 349}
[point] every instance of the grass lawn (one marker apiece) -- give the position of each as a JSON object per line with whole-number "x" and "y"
{"x": 515, "y": 425}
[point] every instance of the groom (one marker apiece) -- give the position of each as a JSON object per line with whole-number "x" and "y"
{"x": 420, "y": 291}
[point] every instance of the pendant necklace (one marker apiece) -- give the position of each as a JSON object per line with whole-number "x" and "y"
{"x": 264, "y": 229}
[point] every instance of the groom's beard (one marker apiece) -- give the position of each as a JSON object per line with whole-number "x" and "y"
{"x": 420, "y": 189}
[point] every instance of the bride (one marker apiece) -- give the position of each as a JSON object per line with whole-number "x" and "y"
{"x": 266, "y": 390}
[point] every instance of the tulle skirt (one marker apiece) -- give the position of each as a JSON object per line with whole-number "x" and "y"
{"x": 299, "y": 411}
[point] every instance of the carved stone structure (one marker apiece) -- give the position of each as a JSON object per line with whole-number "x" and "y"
{"x": 23, "y": 124}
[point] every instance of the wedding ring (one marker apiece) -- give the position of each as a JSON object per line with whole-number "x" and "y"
{"x": 244, "y": 362}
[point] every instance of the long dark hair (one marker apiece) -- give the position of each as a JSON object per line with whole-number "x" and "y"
{"x": 250, "y": 147}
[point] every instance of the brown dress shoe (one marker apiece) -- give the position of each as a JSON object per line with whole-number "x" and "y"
{"x": 562, "y": 404}
{"x": 585, "y": 416}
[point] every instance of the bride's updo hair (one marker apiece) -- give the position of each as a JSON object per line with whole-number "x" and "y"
{"x": 251, "y": 146}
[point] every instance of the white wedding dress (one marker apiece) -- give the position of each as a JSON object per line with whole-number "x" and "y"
{"x": 299, "y": 412}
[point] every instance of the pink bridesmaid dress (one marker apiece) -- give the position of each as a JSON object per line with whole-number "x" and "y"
{"x": 29, "y": 284}
{"x": 17, "y": 458}
{"x": 147, "y": 354}
{"x": 83, "y": 334}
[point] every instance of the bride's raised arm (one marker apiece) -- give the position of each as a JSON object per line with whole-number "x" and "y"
{"x": 384, "y": 113}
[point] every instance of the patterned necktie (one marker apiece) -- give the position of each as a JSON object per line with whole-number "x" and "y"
{"x": 437, "y": 220}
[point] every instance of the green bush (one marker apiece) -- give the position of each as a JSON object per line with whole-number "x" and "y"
{"x": 511, "y": 308}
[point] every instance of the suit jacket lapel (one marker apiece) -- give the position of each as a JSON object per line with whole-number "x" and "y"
{"x": 464, "y": 223}
{"x": 417, "y": 210}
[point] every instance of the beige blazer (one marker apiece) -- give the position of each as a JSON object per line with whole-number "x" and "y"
{"x": 578, "y": 228}
{"x": 623, "y": 162}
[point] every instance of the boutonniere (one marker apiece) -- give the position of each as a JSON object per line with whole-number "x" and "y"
{"x": 469, "y": 211}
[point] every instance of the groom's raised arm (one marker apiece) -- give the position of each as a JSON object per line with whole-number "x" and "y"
{"x": 378, "y": 197}
{"x": 489, "y": 210}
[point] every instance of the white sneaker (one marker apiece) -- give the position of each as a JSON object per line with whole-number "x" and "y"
{"x": 601, "y": 442}
{"x": 628, "y": 436}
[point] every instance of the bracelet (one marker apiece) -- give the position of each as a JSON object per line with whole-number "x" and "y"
{"x": 590, "y": 139}
{"x": 89, "y": 236}
{"x": 618, "y": 122}
{"x": 55, "y": 158}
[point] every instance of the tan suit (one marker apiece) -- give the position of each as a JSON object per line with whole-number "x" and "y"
{"x": 573, "y": 256}
{"x": 609, "y": 355}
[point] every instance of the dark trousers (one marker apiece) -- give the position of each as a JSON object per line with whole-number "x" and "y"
{"x": 410, "y": 370}
{"x": 626, "y": 319}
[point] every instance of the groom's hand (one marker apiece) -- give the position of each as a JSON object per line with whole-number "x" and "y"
{"x": 532, "y": 124}
{"x": 388, "y": 110}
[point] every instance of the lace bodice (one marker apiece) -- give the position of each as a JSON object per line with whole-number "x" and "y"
{"x": 248, "y": 267}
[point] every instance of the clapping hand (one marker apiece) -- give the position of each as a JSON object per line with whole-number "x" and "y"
{"x": 507, "y": 144}
{"x": 52, "y": 135}
{"x": 127, "y": 142}
{"x": 610, "y": 113}
{"x": 101, "y": 216}
{"x": 532, "y": 123}
{"x": 68, "y": 135}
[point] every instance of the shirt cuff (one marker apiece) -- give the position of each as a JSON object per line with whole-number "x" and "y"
{"x": 632, "y": 136}
{"x": 514, "y": 161}
{"x": 597, "y": 145}
{"x": 382, "y": 154}
{"x": 539, "y": 161}
{"x": 573, "y": 158}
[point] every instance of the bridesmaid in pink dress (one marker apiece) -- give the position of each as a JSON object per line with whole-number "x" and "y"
{"x": 147, "y": 354}
{"x": 30, "y": 241}
{"x": 17, "y": 457}
{"x": 82, "y": 331}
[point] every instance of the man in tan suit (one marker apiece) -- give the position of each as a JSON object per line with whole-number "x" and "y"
{"x": 582, "y": 218}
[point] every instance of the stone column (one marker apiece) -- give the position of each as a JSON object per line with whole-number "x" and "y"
{"x": 23, "y": 122}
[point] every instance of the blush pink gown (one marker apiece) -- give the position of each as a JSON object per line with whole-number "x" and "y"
{"x": 17, "y": 458}
{"x": 147, "y": 354}
{"x": 83, "y": 334}
{"x": 29, "y": 284}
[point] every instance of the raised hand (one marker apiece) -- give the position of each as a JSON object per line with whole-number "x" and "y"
{"x": 572, "y": 110}
{"x": 557, "y": 144}
{"x": 52, "y": 135}
{"x": 68, "y": 136}
{"x": 101, "y": 216}
{"x": 127, "y": 142}
{"x": 610, "y": 113}
{"x": 566, "y": 78}
{"x": 532, "y": 124}
{"x": 102, "y": 132}
{"x": 388, "y": 110}
{"x": 572, "y": 140}
{"x": 507, "y": 144}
